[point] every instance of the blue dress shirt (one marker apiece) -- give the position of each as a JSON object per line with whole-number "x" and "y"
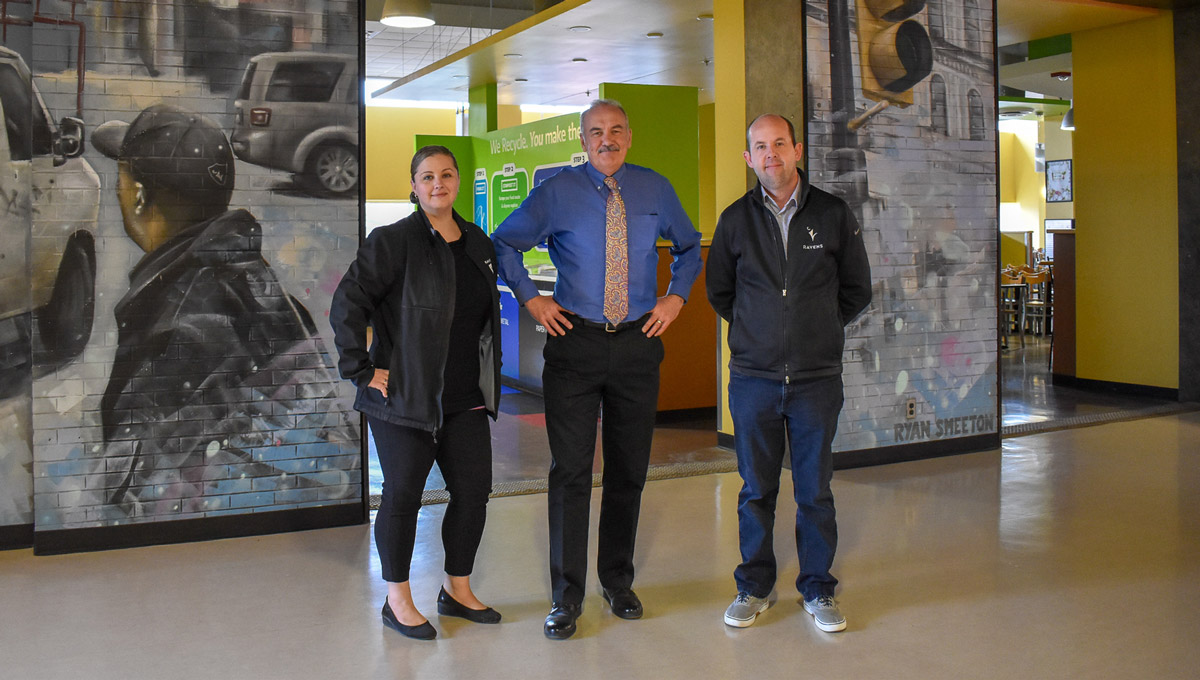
{"x": 567, "y": 211}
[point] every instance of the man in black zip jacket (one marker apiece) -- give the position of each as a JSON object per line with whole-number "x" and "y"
{"x": 788, "y": 270}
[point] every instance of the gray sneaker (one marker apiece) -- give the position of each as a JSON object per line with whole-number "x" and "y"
{"x": 745, "y": 607}
{"x": 825, "y": 613}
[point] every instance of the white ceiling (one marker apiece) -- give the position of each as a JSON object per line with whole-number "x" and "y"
{"x": 1035, "y": 76}
{"x": 442, "y": 62}
{"x": 541, "y": 60}
{"x": 397, "y": 52}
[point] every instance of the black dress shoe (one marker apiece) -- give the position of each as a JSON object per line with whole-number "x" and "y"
{"x": 448, "y": 606}
{"x": 624, "y": 602}
{"x": 424, "y": 631}
{"x": 560, "y": 624}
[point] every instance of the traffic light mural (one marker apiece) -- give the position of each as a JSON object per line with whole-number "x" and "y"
{"x": 894, "y": 49}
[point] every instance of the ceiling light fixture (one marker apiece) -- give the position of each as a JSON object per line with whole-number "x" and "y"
{"x": 1061, "y": 75}
{"x": 654, "y": 34}
{"x": 1068, "y": 121}
{"x": 579, "y": 60}
{"x": 704, "y": 17}
{"x": 407, "y": 13}
{"x": 513, "y": 55}
{"x": 580, "y": 29}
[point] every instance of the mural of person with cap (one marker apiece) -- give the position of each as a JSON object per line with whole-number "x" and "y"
{"x": 217, "y": 367}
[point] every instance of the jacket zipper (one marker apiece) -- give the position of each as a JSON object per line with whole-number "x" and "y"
{"x": 782, "y": 275}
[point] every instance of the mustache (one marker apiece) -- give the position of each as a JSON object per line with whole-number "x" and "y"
{"x": 608, "y": 147}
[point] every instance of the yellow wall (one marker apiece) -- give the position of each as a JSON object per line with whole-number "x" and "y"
{"x": 729, "y": 140}
{"x": 708, "y": 172}
{"x": 389, "y": 146}
{"x": 1012, "y": 250}
{"x": 1008, "y": 183}
{"x": 1126, "y": 209}
{"x": 1022, "y": 187}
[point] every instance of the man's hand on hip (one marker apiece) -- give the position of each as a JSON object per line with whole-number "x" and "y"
{"x": 664, "y": 312}
{"x": 546, "y": 311}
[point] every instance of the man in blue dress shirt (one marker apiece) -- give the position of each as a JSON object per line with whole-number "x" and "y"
{"x": 594, "y": 362}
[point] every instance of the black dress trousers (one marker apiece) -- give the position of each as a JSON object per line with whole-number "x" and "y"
{"x": 590, "y": 373}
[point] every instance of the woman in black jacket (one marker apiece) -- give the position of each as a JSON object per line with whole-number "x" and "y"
{"x": 427, "y": 287}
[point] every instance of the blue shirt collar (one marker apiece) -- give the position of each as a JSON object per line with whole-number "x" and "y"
{"x": 597, "y": 177}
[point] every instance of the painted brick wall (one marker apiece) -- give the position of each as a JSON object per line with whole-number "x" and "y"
{"x": 922, "y": 179}
{"x": 187, "y": 374}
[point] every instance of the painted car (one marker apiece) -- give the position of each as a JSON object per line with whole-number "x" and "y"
{"x": 51, "y": 201}
{"x": 298, "y": 111}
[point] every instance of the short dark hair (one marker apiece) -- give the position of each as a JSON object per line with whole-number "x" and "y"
{"x": 597, "y": 103}
{"x": 791, "y": 128}
{"x": 420, "y": 156}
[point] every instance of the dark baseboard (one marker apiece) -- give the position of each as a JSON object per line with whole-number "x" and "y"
{"x": 62, "y": 541}
{"x": 16, "y": 536}
{"x": 900, "y": 453}
{"x": 1115, "y": 387}
{"x": 725, "y": 441}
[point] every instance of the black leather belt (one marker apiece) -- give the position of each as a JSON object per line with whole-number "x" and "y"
{"x": 607, "y": 326}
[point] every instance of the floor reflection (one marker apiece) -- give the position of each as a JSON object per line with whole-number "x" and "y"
{"x": 1029, "y": 397}
{"x": 520, "y": 451}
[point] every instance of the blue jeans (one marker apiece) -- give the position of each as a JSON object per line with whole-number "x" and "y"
{"x": 770, "y": 416}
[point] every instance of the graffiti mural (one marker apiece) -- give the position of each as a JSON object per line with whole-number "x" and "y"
{"x": 912, "y": 150}
{"x": 164, "y": 348}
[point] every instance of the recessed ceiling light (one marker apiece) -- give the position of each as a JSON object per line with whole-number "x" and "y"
{"x": 654, "y": 34}
{"x": 580, "y": 29}
{"x": 704, "y": 17}
{"x": 578, "y": 59}
{"x": 513, "y": 55}
{"x": 460, "y": 76}
{"x": 520, "y": 80}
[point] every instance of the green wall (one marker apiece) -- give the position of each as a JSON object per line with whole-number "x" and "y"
{"x": 665, "y": 121}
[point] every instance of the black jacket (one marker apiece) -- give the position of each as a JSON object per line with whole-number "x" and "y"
{"x": 787, "y": 316}
{"x": 402, "y": 283}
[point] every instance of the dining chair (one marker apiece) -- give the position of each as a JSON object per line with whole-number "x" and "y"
{"x": 1038, "y": 301}
{"x": 1012, "y": 306}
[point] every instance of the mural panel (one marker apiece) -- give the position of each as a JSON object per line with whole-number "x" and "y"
{"x": 16, "y": 300}
{"x": 900, "y": 124}
{"x": 180, "y": 262}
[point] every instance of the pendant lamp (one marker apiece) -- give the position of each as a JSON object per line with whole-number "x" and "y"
{"x": 1068, "y": 122}
{"x": 407, "y": 13}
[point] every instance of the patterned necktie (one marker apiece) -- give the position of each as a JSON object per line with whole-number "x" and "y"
{"x": 616, "y": 256}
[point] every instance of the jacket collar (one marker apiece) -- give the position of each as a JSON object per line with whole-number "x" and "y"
{"x": 756, "y": 194}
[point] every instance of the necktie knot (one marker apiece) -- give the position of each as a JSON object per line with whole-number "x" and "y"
{"x": 611, "y": 183}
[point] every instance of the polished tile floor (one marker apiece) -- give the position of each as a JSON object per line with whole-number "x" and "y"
{"x": 1068, "y": 554}
{"x": 521, "y": 452}
{"x": 1028, "y": 396}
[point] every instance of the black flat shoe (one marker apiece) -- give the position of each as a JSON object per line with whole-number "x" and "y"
{"x": 448, "y": 606}
{"x": 424, "y": 631}
{"x": 560, "y": 624}
{"x": 624, "y": 602}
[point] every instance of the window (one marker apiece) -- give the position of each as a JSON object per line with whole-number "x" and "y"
{"x": 247, "y": 81}
{"x": 975, "y": 116}
{"x": 16, "y": 91}
{"x": 972, "y": 34}
{"x": 304, "y": 81}
{"x": 937, "y": 105}
{"x": 937, "y": 22}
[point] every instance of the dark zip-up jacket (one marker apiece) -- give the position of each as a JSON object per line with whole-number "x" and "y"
{"x": 402, "y": 283}
{"x": 787, "y": 316}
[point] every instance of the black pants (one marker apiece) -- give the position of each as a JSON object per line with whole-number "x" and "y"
{"x": 463, "y": 452}
{"x": 588, "y": 372}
